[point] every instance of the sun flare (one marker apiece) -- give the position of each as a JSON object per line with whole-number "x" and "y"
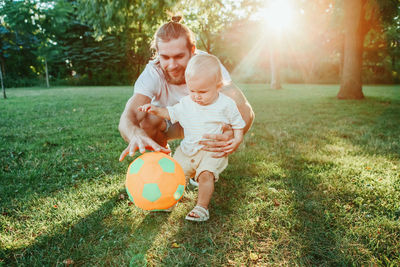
{"x": 278, "y": 15}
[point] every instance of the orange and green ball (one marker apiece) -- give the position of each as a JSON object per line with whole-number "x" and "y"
{"x": 155, "y": 181}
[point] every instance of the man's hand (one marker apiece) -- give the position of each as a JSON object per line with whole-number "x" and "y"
{"x": 141, "y": 142}
{"x": 132, "y": 124}
{"x": 232, "y": 145}
{"x": 223, "y": 144}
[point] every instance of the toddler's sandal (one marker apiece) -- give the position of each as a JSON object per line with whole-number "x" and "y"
{"x": 203, "y": 214}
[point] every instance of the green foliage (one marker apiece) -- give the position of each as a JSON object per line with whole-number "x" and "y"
{"x": 17, "y": 43}
{"x": 133, "y": 22}
{"x": 380, "y": 50}
{"x": 52, "y": 24}
{"x": 94, "y": 62}
{"x": 208, "y": 19}
{"x": 94, "y": 42}
{"x": 392, "y": 33}
{"x": 315, "y": 183}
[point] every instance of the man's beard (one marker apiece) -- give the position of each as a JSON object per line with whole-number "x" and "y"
{"x": 174, "y": 80}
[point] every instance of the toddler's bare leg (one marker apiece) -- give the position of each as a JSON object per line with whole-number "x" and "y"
{"x": 206, "y": 189}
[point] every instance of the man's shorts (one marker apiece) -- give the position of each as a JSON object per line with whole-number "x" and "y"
{"x": 194, "y": 165}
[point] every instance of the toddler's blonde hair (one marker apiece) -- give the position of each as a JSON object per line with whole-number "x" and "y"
{"x": 204, "y": 65}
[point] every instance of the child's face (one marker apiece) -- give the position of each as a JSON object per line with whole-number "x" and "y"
{"x": 203, "y": 91}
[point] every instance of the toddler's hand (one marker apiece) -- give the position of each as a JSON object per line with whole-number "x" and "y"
{"x": 145, "y": 108}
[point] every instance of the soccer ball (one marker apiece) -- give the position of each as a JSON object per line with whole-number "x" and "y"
{"x": 155, "y": 181}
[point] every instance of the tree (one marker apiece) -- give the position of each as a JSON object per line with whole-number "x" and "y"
{"x": 275, "y": 80}
{"x": 351, "y": 84}
{"x": 360, "y": 16}
{"x": 4, "y": 46}
{"x": 17, "y": 39}
{"x": 2, "y": 84}
{"x": 52, "y": 21}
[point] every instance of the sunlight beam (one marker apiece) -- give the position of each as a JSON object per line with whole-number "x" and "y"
{"x": 278, "y": 15}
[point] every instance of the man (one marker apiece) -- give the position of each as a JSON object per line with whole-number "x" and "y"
{"x": 163, "y": 83}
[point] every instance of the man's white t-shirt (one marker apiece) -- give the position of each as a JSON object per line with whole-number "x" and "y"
{"x": 152, "y": 83}
{"x": 197, "y": 120}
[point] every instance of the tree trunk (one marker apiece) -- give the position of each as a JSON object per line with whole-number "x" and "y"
{"x": 351, "y": 83}
{"x": 341, "y": 63}
{"x": 2, "y": 85}
{"x": 47, "y": 73}
{"x": 275, "y": 69}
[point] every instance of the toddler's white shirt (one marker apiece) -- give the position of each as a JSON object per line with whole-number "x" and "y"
{"x": 197, "y": 120}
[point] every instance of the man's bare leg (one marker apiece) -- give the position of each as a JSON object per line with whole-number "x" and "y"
{"x": 155, "y": 128}
{"x": 175, "y": 132}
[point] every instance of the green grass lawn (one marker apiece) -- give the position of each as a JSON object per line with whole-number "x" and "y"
{"x": 316, "y": 182}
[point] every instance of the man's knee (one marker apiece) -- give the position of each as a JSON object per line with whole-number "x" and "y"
{"x": 175, "y": 132}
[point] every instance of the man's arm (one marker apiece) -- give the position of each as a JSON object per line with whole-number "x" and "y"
{"x": 131, "y": 130}
{"x": 131, "y": 118}
{"x": 242, "y": 104}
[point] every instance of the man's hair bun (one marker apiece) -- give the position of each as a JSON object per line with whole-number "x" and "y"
{"x": 176, "y": 19}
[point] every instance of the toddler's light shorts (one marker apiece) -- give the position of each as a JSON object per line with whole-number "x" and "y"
{"x": 194, "y": 165}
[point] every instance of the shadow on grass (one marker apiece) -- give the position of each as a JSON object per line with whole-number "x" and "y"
{"x": 236, "y": 229}
{"x": 315, "y": 227}
{"x": 316, "y": 223}
{"x": 208, "y": 243}
{"x": 383, "y": 136}
{"x": 312, "y": 215}
{"x": 99, "y": 238}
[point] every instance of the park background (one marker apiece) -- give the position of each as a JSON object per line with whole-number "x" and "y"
{"x": 108, "y": 42}
{"x": 316, "y": 181}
